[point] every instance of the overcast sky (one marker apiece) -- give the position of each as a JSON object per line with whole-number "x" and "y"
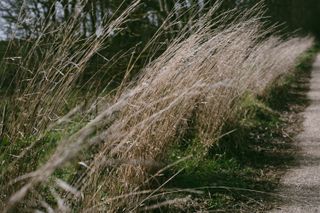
{"x": 2, "y": 28}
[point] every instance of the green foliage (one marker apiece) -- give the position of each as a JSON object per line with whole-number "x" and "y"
{"x": 236, "y": 163}
{"x": 13, "y": 163}
{"x": 278, "y": 96}
{"x": 243, "y": 166}
{"x": 36, "y": 156}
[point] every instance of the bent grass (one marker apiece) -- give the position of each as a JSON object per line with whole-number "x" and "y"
{"x": 200, "y": 77}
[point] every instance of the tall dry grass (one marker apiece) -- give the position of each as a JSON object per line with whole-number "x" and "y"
{"x": 47, "y": 73}
{"x": 201, "y": 76}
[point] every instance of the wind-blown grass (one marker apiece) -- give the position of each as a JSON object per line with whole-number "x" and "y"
{"x": 201, "y": 77}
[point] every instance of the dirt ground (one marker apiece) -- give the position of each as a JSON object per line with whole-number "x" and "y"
{"x": 300, "y": 186}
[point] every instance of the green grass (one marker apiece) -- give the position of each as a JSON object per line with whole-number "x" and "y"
{"x": 278, "y": 96}
{"x": 238, "y": 172}
{"x": 237, "y": 162}
{"x": 243, "y": 169}
{"x": 12, "y": 166}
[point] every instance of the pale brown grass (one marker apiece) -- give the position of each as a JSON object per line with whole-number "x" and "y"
{"x": 202, "y": 76}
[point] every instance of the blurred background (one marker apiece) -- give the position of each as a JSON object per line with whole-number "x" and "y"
{"x": 24, "y": 20}
{"x": 29, "y": 15}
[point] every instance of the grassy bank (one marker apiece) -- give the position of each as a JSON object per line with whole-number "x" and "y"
{"x": 241, "y": 172}
{"x": 195, "y": 118}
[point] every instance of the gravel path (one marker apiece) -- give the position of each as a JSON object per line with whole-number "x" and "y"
{"x": 301, "y": 184}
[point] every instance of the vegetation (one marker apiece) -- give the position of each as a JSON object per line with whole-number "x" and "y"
{"x": 192, "y": 116}
{"x": 242, "y": 170}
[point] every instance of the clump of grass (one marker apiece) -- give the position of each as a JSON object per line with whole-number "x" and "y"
{"x": 202, "y": 76}
{"x": 242, "y": 170}
{"x": 48, "y": 70}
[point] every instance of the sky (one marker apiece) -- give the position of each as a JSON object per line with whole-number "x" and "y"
{"x": 2, "y": 28}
